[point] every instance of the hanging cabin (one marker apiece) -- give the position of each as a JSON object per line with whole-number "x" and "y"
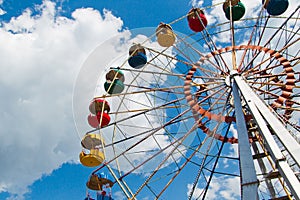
{"x": 92, "y": 159}
{"x": 94, "y": 183}
{"x": 137, "y": 57}
{"x": 165, "y": 35}
{"x": 98, "y": 120}
{"x": 275, "y": 7}
{"x": 196, "y": 20}
{"x": 99, "y": 116}
{"x": 92, "y": 141}
{"x": 99, "y": 105}
{"x": 92, "y": 154}
{"x": 236, "y": 7}
{"x": 114, "y": 82}
{"x": 100, "y": 182}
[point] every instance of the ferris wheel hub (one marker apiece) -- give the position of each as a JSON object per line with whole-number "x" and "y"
{"x": 229, "y": 77}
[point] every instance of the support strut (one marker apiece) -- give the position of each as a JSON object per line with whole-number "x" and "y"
{"x": 249, "y": 182}
{"x": 263, "y": 116}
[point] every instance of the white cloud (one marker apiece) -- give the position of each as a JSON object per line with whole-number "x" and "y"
{"x": 40, "y": 58}
{"x": 197, "y": 191}
{"x": 220, "y": 188}
{"x": 2, "y": 12}
{"x": 196, "y": 3}
{"x": 233, "y": 148}
{"x": 119, "y": 195}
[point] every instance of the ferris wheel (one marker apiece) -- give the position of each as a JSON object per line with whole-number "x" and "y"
{"x": 212, "y": 113}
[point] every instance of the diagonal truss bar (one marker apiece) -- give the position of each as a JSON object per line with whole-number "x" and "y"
{"x": 249, "y": 182}
{"x": 288, "y": 141}
{"x": 263, "y": 116}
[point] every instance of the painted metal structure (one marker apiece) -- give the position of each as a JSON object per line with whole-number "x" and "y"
{"x": 190, "y": 101}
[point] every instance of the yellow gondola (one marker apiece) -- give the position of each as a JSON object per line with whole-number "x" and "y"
{"x": 165, "y": 35}
{"x": 91, "y": 141}
{"x": 92, "y": 159}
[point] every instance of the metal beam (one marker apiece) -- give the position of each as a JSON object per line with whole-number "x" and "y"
{"x": 261, "y": 116}
{"x": 288, "y": 141}
{"x": 249, "y": 182}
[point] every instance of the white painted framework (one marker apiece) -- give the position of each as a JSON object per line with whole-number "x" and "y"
{"x": 265, "y": 121}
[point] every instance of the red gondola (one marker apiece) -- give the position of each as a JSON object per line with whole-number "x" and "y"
{"x": 197, "y": 20}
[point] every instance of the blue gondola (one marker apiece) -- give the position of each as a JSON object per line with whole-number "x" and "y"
{"x": 138, "y": 56}
{"x": 276, "y": 7}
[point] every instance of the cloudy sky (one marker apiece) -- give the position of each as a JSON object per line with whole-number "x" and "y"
{"x": 44, "y": 45}
{"x": 43, "y": 51}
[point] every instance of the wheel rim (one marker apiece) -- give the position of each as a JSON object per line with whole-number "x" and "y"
{"x": 181, "y": 114}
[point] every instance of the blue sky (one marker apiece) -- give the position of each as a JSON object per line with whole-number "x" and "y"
{"x": 45, "y": 49}
{"x": 64, "y": 178}
{"x": 135, "y": 14}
